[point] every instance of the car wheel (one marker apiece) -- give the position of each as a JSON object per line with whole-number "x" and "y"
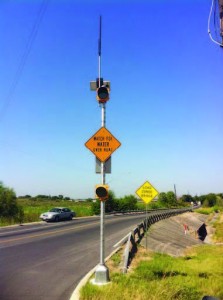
{"x": 57, "y": 219}
{"x": 71, "y": 217}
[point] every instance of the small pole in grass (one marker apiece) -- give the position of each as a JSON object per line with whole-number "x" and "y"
{"x": 146, "y": 223}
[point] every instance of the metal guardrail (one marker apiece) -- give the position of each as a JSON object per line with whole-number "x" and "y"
{"x": 148, "y": 210}
{"x": 134, "y": 237}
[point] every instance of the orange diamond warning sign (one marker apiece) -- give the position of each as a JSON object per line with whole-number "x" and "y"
{"x": 102, "y": 144}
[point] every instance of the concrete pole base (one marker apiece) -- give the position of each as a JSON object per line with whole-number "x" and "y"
{"x": 101, "y": 275}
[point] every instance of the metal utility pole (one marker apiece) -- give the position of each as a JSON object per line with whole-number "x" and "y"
{"x": 102, "y": 272}
{"x": 102, "y": 144}
{"x": 175, "y": 191}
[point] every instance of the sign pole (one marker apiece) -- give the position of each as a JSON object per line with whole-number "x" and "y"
{"x": 102, "y": 144}
{"x": 147, "y": 193}
{"x": 102, "y": 272}
{"x": 146, "y": 223}
{"x": 103, "y": 180}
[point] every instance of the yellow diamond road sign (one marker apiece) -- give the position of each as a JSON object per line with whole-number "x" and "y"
{"x": 147, "y": 192}
{"x": 102, "y": 144}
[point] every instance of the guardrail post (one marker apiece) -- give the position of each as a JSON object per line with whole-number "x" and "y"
{"x": 126, "y": 254}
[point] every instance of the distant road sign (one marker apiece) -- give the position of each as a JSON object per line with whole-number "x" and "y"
{"x": 102, "y": 144}
{"x": 147, "y": 192}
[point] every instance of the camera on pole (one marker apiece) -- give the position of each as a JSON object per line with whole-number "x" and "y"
{"x": 101, "y": 192}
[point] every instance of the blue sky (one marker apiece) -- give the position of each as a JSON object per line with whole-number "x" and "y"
{"x": 165, "y": 107}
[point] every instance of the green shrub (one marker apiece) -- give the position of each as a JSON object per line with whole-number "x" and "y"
{"x": 10, "y": 211}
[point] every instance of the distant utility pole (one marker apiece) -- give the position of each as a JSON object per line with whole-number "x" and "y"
{"x": 175, "y": 191}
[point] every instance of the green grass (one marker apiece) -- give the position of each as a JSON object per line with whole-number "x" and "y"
{"x": 207, "y": 210}
{"x": 219, "y": 233}
{"x": 218, "y": 225}
{"x": 33, "y": 208}
{"x": 156, "y": 276}
{"x": 116, "y": 259}
{"x": 164, "y": 277}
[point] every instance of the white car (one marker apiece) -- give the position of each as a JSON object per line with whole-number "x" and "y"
{"x": 58, "y": 213}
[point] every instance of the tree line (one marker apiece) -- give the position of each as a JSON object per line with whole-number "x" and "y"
{"x": 46, "y": 197}
{"x": 164, "y": 200}
{"x": 9, "y": 207}
{"x": 128, "y": 202}
{"x": 208, "y": 200}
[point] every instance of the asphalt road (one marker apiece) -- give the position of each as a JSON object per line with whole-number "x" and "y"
{"x": 46, "y": 261}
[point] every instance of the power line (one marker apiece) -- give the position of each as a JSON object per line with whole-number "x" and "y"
{"x": 24, "y": 58}
{"x": 213, "y": 8}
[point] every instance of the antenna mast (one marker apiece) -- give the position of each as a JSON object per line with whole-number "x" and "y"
{"x": 99, "y": 53}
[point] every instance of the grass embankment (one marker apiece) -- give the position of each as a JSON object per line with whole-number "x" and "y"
{"x": 208, "y": 210}
{"x": 34, "y": 207}
{"x": 218, "y": 236}
{"x": 154, "y": 276}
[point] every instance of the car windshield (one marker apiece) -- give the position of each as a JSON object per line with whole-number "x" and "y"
{"x": 55, "y": 210}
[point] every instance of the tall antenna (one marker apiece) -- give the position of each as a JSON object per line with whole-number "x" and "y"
{"x": 99, "y": 54}
{"x": 103, "y": 87}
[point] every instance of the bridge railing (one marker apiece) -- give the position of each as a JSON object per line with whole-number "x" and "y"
{"x": 134, "y": 237}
